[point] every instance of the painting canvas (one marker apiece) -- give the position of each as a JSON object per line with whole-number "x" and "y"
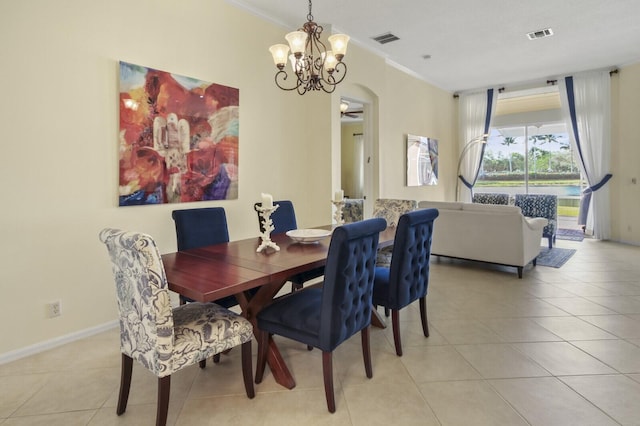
{"x": 178, "y": 138}
{"x": 422, "y": 161}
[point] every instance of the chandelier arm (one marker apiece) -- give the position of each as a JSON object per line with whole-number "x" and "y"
{"x": 340, "y": 69}
{"x": 282, "y": 75}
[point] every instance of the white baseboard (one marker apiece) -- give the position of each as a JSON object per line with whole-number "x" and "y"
{"x": 58, "y": 341}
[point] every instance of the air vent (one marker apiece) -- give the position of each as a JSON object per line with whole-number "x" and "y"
{"x": 385, "y": 38}
{"x": 547, "y": 32}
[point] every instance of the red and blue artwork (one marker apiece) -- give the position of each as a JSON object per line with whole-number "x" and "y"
{"x": 178, "y": 138}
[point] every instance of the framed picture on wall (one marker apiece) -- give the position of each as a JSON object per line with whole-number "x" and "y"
{"x": 422, "y": 161}
{"x": 178, "y": 138}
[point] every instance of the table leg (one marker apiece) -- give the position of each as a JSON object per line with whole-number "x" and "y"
{"x": 250, "y": 309}
{"x": 376, "y": 319}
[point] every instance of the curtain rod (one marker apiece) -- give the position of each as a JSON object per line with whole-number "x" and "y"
{"x": 549, "y": 82}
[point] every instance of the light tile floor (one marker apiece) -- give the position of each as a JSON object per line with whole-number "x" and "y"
{"x": 558, "y": 347}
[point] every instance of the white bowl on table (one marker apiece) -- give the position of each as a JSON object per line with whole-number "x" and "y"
{"x": 308, "y": 236}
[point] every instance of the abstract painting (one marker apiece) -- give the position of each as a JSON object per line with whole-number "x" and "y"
{"x": 178, "y": 139}
{"x": 422, "y": 161}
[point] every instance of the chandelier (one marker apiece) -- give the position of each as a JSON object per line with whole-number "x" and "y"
{"x": 314, "y": 67}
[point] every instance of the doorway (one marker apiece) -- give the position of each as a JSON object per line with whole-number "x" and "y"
{"x": 356, "y": 151}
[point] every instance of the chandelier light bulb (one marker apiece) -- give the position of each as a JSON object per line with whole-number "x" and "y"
{"x": 279, "y": 53}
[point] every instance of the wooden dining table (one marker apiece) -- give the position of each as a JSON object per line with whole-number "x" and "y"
{"x": 210, "y": 273}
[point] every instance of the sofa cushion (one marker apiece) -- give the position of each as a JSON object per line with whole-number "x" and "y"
{"x": 493, "y": 208}
{"x": 440, "y": 205}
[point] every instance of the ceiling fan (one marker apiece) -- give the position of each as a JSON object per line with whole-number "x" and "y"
{"x": 345, "y": 112}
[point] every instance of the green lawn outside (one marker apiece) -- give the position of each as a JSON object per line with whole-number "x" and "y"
{"x": 512, "y": 183}
{"x": 568, "y": 211}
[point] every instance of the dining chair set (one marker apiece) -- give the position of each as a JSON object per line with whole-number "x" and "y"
{"x": 165, "y": 339}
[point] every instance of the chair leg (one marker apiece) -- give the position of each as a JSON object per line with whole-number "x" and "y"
{"x": 125, "y": 383}
{"x": 247, "y": 371}
{"x": 423, "y": 315}
{"x": 386, "y": 312}
{"x": 164, "y": 389}
{"x": 395, "y": 320}
{"x": 216, "y": 358}
{"x": 366, "y": 350}
{"x": 203, "y": 363}
{"x": 550, "y": 241}
{"x": 263, "y": 347}
{"x": 327, "y": 371}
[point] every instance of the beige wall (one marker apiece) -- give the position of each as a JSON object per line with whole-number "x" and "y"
{"x": 60, "y": 130}
{"x": 625, "y": 155}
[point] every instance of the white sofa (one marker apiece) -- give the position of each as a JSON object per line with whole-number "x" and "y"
{"x": 484, "y": 232}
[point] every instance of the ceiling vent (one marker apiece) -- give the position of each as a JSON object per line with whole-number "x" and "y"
{"x": 385, "y": 38}
{"x": 547, "y": 32}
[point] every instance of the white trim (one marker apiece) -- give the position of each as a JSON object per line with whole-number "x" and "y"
{"x": 53, "y": 343}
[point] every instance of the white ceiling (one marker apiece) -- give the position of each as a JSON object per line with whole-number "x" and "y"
{"x": 476, "y": 44}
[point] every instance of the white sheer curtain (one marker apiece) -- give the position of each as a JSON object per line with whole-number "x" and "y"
{"x": 586, "y": 108}
{"x": 475, "y": 112}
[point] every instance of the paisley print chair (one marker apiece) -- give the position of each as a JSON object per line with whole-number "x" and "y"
{"x": 491, "y": 198}
{"x": 353, "y": 210}
{"x": 541, "y": 205}
{"x": 390, "y": 210}
{"x": 161, "y": 338}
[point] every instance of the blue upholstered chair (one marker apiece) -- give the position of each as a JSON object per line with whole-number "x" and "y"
{"x": 353, "y": 210}
{"x": 541, "y": 205}
{"x": 407, "y": 279}
{"x": 198, "y": 228}
{"x": 390, "y": 210}
{"x": 325, "y": 317}
{"x": 491, "y": 198}
{"x": 284, "y": 219}
{"x": 162, "y": 339}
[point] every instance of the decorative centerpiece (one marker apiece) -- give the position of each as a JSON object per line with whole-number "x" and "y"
{"x": 265, "y": 211}
{"x": 338, "y": 201}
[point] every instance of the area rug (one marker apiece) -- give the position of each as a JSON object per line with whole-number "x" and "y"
{"x": 555, "y": 257}
{"x": 570, "y": 234}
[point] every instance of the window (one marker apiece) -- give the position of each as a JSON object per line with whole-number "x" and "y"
{"x": 529, "y": 151}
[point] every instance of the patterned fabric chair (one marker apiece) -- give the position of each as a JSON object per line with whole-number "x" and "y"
{"x": 162, "y": 339}
{"x": 284, "y": 219}
{"x": 325, "y": 317}
{"x": 391, "y": 210}
{"x": 541, "y": 205}
{"x": 408, "y": 277}
{"x": 353, "y": 210}
{"x": 491, "y": 198}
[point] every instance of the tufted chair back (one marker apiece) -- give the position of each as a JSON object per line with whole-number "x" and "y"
{"x": 146, "y": 320}
{"x": 391, "y": 209}
{"x": 348, "y": 282}
{"x": 325, "y": 317}
{"x": 541, "y": 205}
{"x": 353, "y": 210}
{"x": 409, "y": 271}
{"x": 200, "y": 227}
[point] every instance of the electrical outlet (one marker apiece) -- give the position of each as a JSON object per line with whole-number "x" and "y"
{"x": 54, "y": 309}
